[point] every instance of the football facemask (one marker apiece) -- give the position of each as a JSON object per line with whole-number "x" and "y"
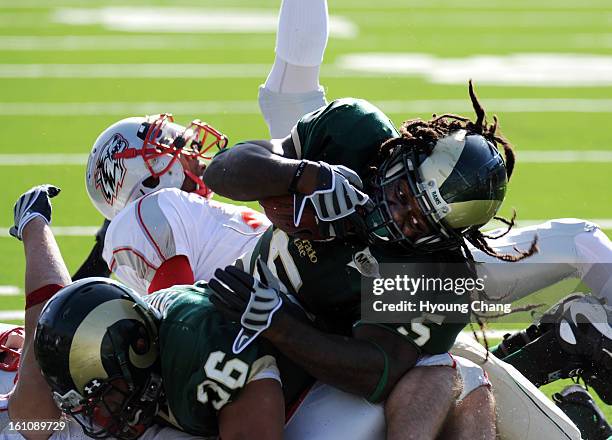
{"x": 459, "y": 184}
{"x": 9, "y": 355}
{"x": 199, "y": 141}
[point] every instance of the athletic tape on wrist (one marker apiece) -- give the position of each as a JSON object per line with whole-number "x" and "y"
{"x": 41, "y": 295}
{"x": 384, "y": 377}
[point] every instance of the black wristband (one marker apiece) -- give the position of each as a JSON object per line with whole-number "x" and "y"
{"x": 296, "y": 177}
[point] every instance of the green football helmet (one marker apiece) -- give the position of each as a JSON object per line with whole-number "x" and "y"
{"x": 96, "y": 343}
{"x": 459, "y": 184}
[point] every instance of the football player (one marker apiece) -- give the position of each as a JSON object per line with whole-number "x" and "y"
{"x": 106, "y": 354}
{"x": 29, "y": 411}
{"x": 152, "y": 168}
{"x": 138, "y": 177}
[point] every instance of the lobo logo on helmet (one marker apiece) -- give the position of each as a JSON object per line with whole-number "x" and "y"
{"x": 109, "y": 172}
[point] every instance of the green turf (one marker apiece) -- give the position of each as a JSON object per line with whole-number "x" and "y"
{"x": 442, "y": 28}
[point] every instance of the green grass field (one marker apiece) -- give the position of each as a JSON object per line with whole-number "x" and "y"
{"x": 67, "y": 71}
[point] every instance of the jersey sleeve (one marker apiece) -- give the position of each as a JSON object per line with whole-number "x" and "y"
{"x": 346, "y": 132}
{"x": 143, "y": 236}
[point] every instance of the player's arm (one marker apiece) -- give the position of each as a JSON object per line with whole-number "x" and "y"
{"x": 257, "y": 170}
{"x": 45, "y": 274}
{"x": 259, "y": 412}
{"x": 368, "y": 364}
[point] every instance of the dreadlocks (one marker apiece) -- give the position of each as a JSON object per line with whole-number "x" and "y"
{"x": 423, "y": 135}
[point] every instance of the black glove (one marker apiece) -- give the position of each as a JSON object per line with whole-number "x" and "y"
{"x": 33, "y": 203}
{"x": 336, "y": 196}
{"x": 242, "y": 298}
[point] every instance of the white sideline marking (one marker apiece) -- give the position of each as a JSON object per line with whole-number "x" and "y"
{"x": 533, "y": 69}
{"x": 188, "y": 20}
{"x": 89, "y": 231}
{"x": 509, "y": 105}
{"x": 543, "y": 156}
{"x": 9, "y": 290}
{"x": 12, "y": 315}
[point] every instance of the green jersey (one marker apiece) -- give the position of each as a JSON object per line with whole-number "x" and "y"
{"x": 200, "y": 372}
{"x": 346, "y": 132}
{"x": 326, "y": 278}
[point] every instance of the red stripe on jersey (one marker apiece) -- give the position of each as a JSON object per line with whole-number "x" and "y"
{"x": 135, "y": 252}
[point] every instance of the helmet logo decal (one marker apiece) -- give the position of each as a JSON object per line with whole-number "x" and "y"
{"x": 85, "y": 362}
{"x": 110, "y": 172}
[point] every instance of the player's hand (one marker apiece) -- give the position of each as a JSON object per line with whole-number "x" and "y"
{"x": 241, "y": 297}
{"x": 33, "y": 203}
{"x": 336, "y": 195}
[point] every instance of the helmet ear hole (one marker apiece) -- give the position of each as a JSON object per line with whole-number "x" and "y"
{"x": 151, "y": 182}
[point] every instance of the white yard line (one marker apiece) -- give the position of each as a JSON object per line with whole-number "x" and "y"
{"x": 538, "y": 156}
{"x": 515, "y": 69}
{"x": 63, "y": 231}
{"x": 502, "y": 105}
{"x": 12, "y": 315}
{"x": 126, "y": 43}
{"x": 134, "y": 70}
{"x": 9, "y": 290}
{"x": 42, "y": 159}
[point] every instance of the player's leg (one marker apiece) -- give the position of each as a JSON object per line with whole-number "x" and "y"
{"x": 567, "y": 248}
{"x": 420, "y": 402}
{"x": 473, "y": 415}
{"x": 472, "y": 418}
{"x": 292, "y": 88}
{"x": 522, "y": 410}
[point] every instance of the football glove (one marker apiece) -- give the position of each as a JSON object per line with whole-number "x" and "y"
{"x": 337, "y": 194}
{"x": 242, "y": 298}
{"x": 33, "y": 203}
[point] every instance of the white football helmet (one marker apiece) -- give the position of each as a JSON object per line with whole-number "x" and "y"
{"x": 136, "y": 156}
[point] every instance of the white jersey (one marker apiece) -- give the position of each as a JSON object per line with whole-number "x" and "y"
{"x": 171, "y": 222}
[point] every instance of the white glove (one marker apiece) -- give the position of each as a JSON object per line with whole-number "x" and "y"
{"x": 237, "y": 294}
{"x": 33, "y": 203}
{"x": 336, "y": 196}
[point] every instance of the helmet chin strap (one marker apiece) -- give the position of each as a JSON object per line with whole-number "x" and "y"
{"x": 201, "y": 188}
